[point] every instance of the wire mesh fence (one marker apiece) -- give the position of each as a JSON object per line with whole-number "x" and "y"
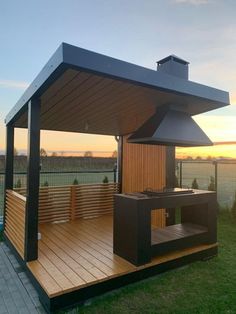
{"x": 56, "y": 178}
{"x": 221, "y": 173}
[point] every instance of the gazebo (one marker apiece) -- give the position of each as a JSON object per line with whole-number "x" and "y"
{"x": 63, "y": 235}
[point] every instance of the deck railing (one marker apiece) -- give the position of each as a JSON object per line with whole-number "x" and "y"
{"x": 65, "y": 203}
{"x": 15, "y": 220}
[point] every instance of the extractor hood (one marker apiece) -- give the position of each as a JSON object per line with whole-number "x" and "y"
{"x": 170, "y": 127}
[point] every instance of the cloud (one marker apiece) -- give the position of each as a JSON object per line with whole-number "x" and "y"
{"x": 192, "y": 2}
{"x": 13, "y": 84}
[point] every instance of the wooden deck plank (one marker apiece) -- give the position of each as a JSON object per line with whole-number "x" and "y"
{"x": 94, "y": 243}
{"x": 75, "y": 261}
{"x": 175, "y": 232}
{"x": 88, "y": 252}
{"x": 68, "y": 272}
{"x": 85, "y": 260}
{"x": 78, "y": 254}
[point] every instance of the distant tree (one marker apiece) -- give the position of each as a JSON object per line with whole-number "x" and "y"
{"x": 88, "y": 153}
{"x": 114, "y": 154}
{"x": 209, "y": 158}
{"x": 43, "y": 152}
{"x": 75, "y": 182}
{"x": 18, "y": 184}
{"x": 189, "y": 158}
{"x": 54, "y": 154}
{"x": 198, "y": 158}
{"x": 45, "y": 183}
{"x": 211, "y": 186}
{"x": 195, "y": 184}
{"x": 105, "y": 180}
{"x": 15, "y": 151}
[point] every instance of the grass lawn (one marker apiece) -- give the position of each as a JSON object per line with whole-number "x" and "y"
{"x": 202, "y": 287}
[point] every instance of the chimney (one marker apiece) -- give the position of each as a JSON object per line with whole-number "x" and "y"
{"x": 173, "y": 65}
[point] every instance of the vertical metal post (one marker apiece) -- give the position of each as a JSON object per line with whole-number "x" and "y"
{"x": 170, "y": 181}
{"x": 120, "y": 162}
{"x": 115, "y": 173}
{"x": 216, "y": 175}
{"x": 9, "y": 162}
{"x": 33, "y": 174}
{"x": 180, "y": 174}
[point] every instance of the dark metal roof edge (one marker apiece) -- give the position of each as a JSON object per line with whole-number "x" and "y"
{"x": 71, "y": 56}
{"x": 98, "y": 63}
{"x": 41, "y": 81}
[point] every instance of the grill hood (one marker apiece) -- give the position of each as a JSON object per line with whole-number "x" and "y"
{"x": 172, "y": 128}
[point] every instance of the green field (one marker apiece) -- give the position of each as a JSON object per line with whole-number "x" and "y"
{"x": 207, "y": 287}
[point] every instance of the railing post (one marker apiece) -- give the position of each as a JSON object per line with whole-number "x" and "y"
{"x": 115, "y": 172}
{"x": 216, "y": 175}
{"x": 72, "y": 201}
{"x": 180, "y": 173}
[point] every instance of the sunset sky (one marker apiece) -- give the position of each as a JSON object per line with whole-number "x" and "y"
{"x": 138, "y": 31}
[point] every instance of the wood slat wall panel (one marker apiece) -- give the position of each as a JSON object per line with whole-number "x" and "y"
{"x": 64, "y": 203}
{"x": 15, "y": 220}
{"x": 143, "y": 166}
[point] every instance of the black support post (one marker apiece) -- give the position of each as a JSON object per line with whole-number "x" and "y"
{"x": 33, "y": 173}
{"x": 120, "y": 162}
{"x": 170, "y": 181}
{"x": 9, "y": 162}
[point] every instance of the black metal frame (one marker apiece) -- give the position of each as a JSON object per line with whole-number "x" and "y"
{"x": 9, "y": 167}
{"x": 33, "y": 177}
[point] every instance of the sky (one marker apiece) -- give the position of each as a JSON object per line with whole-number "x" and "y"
{"x": 138, "y": 31}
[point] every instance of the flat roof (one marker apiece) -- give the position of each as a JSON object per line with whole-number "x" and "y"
{"x": 83, "y": 91}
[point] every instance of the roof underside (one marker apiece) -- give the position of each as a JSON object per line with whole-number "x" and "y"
{"x": 85, "y": 92}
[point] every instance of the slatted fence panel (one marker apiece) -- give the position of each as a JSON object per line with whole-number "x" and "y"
{"x": 64, "y": 203}
{"x": 94, "y": 200}
{"x": 15, "y": 220}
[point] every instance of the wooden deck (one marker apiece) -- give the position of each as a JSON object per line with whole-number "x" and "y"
{"x": 78, "y": 254}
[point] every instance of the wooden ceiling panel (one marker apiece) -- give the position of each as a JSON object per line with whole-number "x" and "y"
{"x": 88, "y": 103}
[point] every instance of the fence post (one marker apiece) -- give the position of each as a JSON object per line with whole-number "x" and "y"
{"x": 115, "y": 172}
{"x": 72, "y": 201}
{"x": 216, "y": 175}
{"x": 180, "y": 173}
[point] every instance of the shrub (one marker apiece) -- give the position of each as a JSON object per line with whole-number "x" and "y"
{"x": 211, "y": 186}
{"x": 105, "y": 180}
{"x": 18, "y": 184}
{"x": 75, "y": 182}
{"x": 195, "y": 184}
{"x": 45, "y": 183}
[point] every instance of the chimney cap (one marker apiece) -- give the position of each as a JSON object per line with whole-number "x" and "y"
{"x": 173, "y": 58}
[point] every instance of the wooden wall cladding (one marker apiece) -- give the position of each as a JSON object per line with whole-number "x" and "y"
{"x": 144, "y": 166}
{"x": 15, "y": 220}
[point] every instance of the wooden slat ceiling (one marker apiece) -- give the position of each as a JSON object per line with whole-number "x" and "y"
{"x": 88, "y": 103}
